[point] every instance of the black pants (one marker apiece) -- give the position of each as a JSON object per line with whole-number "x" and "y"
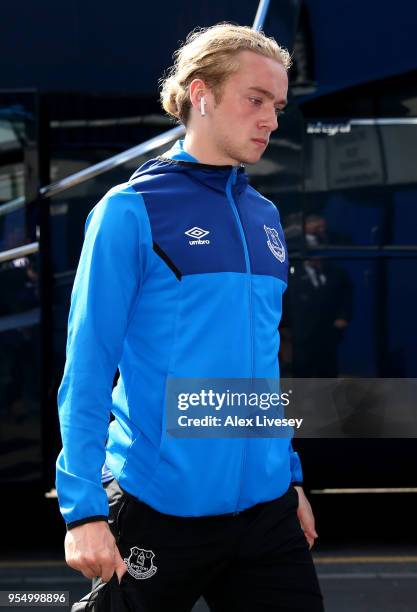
{"x": 255, "y": 561}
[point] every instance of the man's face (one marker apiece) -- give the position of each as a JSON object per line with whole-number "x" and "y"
{"x": 246, "y": 115}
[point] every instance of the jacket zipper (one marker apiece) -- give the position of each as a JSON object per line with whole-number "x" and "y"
{"x": 230, "y": 183}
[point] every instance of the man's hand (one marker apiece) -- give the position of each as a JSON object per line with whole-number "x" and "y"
{"x": 306, "y": 517}
{"x": 92, "y": 550}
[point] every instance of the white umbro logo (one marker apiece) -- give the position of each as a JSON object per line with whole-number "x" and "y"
{"x": 198, "y": 234}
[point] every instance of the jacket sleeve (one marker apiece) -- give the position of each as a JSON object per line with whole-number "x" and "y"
{"x": 106, "y": 286}
{"x": 296, "y": 469}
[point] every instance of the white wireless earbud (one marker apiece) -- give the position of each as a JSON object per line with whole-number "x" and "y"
{"x": 202, "y": 106}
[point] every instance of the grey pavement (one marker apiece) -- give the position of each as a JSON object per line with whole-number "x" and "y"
{"x": 364, "y": 579}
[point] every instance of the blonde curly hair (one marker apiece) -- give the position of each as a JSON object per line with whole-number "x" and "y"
{"x": 210, "y": 54}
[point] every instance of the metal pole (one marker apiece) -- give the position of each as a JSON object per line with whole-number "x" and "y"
{"x": 260, "y": 15}
{"x": 108, "y": 164}
{"x": 22, "y": 251}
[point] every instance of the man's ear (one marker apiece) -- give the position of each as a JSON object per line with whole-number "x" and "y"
{"x": 197, "y": 90}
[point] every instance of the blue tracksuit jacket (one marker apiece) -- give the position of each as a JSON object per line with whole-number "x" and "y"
{"x": 157, "y": 303}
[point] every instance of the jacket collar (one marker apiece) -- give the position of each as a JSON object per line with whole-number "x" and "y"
{"x": 178, "y": 153}
{"x": 176, "y": 159}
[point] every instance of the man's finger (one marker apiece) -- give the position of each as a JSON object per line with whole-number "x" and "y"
{"x": 121, "y": 570}
{"x": 90, "y": 572}
{"x": 107, "y": 574}
{"x": 120, "y": 573}
{"x": 107, "y": 568}
{"x": 309, "y": 527}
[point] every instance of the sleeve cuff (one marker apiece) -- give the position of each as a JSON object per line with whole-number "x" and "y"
{"x": 296, "y": 483}
{"x": 88, "y": 519}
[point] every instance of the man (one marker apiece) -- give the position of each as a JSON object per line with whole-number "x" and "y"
{"x": 317, "y": 309}
{"x": 181, "y": 276}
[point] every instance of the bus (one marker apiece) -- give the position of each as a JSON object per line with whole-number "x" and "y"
{"x": 341, "y": 171}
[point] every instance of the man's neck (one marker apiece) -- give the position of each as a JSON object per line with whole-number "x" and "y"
{"x": 202, "y": 149}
